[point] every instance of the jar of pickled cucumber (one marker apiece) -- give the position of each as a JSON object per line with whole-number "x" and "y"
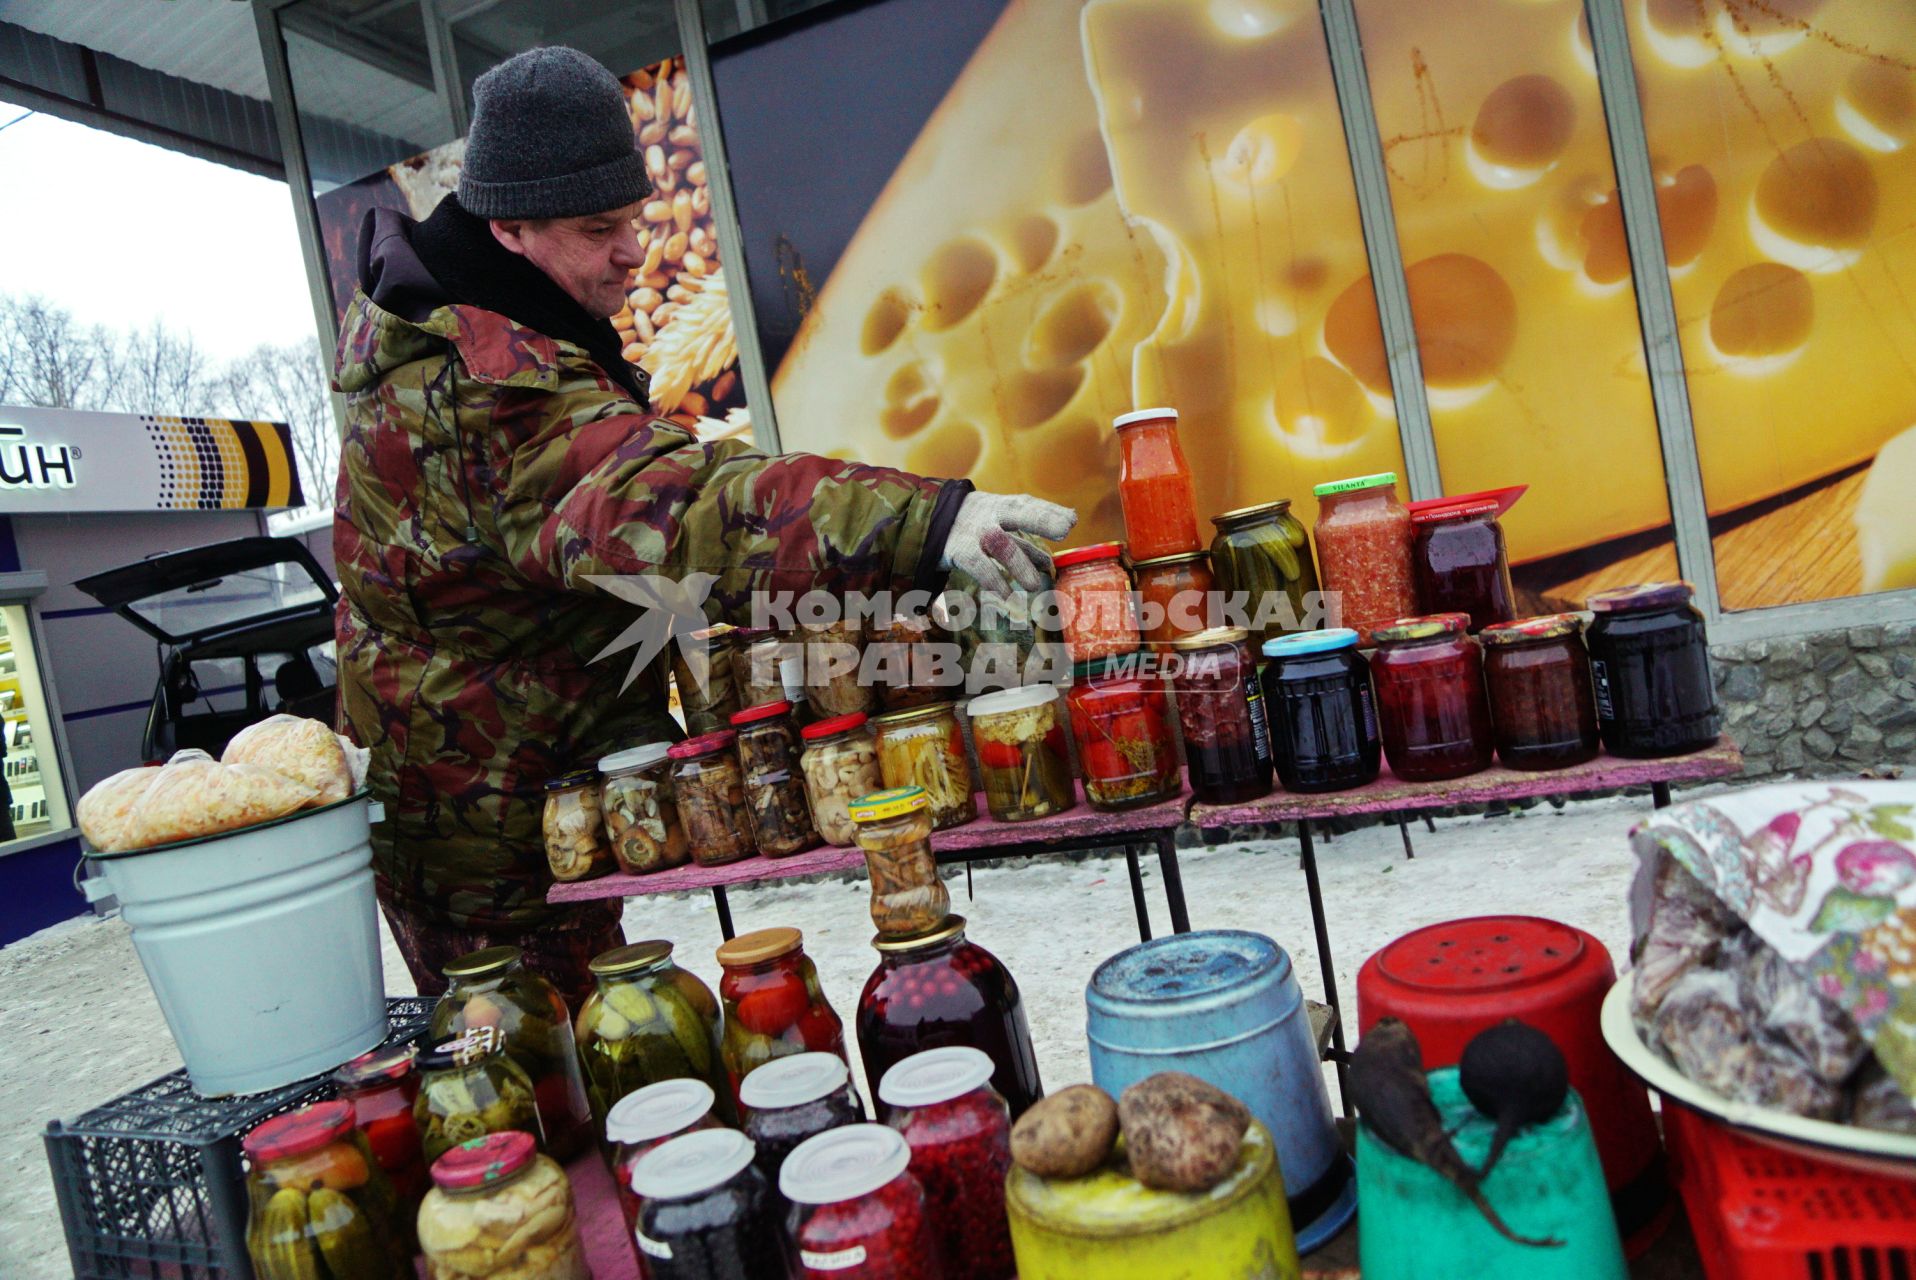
{"x": 1022, "y": 752}
{"x": 840, "y": 764}
{"x": 576, "y": 847}
{"x": 647, "y": 1020}
{"x": 894, "y": 830}
{"x": 924, "y": 747}
{"x": 320, "y": 1206}
{"x": 1264, "y": 553}
{"x": 470, "y": 1087}
{"x": 500, "y": 1209}
{"x": 641, "y": 815}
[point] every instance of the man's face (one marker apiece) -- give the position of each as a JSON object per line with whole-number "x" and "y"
{"x": 589, "y": 257}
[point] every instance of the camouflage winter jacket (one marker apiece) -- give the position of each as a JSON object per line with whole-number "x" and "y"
{"x": 487, "y": 472}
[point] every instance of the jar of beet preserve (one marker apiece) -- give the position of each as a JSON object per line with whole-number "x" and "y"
{"x": 1459, "y": 561}
{"x": 1431, "y": 710}
{"x": 1542, "y": 713}
{"x": 1317, "y": 699}
{"x": 939, "y": 989}
{"x": 791, "y": 1099}
{"x": 1650, "y": 664}
{"x": 706, "y": 1212}
{"x": 857, "y": 1212}
{"x": 959, "y": 1132}
{"x": 1227, "y": 744}
{"x": 649, "y": 1118}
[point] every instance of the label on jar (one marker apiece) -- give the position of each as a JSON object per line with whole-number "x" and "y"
{"x": 791, "y": 674}
{"x": 1260, "y": 731}
{"x": 1369, "y": 712}
{"x": 1600, "y": 675}
{"x": 653, "y": 1248}
{"x": 837, "y": 1260}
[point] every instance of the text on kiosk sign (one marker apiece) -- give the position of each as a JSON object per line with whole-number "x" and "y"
{"x": 25, "y": 464}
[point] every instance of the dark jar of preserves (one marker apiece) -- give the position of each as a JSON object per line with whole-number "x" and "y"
{"x": 774, "y": 1007}
{"x": 774, "y": 784}
{"x": 1650, "y": 665}
{"x": 793, "y": 1099}
{"x": 1227, "y": 745}
{"x": 857, "y": 1213}
{"x": 1460, "y": 564}
{"x": 939, "y": 989}
{"x": 1121, "y": 716}
{"x": 706, "y": 1212}
{"x": 1265, "y": 552}
{"x": 1174, "y": 595}
{"x": 959, "y": 1132}
{"x": 1431, "y": 710}
{"x": 1317, "y": 701}
{"x": 382, "y": 1086}
{"x": 1541, "y": 710}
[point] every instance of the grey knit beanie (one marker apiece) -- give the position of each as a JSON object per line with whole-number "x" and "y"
{"x": 550, "y": 138}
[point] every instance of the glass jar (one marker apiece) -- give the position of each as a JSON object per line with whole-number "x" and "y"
{"x": 793, "y": 1099}
{"x": 1022, "y": 753}
{"x": 648, "y": 1118}
{"x": 1431, "y": 710}
{"x": 708, "y": 694}
{"x": 1542, "y": 712}
{"x": 767, "y": 669}
{"x": 470, "y": 1087}
{"x": 1264, "y": 552}
{"x": 641, "y": 816}
{"x": 1003, "y": 639}
{"x": 646, "y": 1021}
{"x": 1460, "y": 564}
{"x": 774, "y": 1007}
{"x": 493, "y": 989}
{"x": 710, "y": 790}
{"x": 894, "y": 830}
{"x": 381, "y": 1086}
{"x": 924, "y": 747}
{"x": 840, "y": 764}
{"x": 857, "y": 1213}
{"x": 1227, "y": 745}
{"x": 1323, "y": 722}
{"x": 1154, "y": 485}
{"x": 833, "y": 653}
{"x": 774, "y": 787}
{"x": 1650, "y": 664}
{"x": 1121, "y": 716}
{"x": 1363, "y": 551}
{"x": 959, "y": 1132}
{"x": 939, "y": 989}
{"x": 319, "y": 1203}
{"x": 1174, "y": 595}
{"x": 707, "y": 1213}
{"x": 576, "y": 847}
{"x": 1095, "y": 605}
{"x": 499, "y": 1208}
{"x": 900, "y": 654}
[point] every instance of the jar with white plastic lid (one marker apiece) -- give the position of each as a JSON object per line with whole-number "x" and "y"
{"x": 707, "y": 1213}
{"x": 647, "y": 1118}
{"x": 641, "y": 815}
{"x": 791, "y": 1099}
{"x": 959, "y": 1132}
{"x": 857, "y": 1212}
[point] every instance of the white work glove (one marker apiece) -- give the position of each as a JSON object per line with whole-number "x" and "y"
{"x": 990, "y": 539}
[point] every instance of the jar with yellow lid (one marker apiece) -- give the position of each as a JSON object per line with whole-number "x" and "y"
{"x": 894, "y": 830}
{"x": 924, "y": 747}
{"x": 647, "y": 1020}
{"x": 773, "y": 1004}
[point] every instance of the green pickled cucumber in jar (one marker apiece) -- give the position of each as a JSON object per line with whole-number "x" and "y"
{"x": 647, "y": 1020}
{"x": 470, "y": 1087}
{"x": 1265, "y": 552}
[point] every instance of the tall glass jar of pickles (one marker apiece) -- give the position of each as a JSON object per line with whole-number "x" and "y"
{"x": 640, "y": 812}
{"x": 708, "y": 694}
{"x": 1022, "y": 753}
{"x": 924, "y": 747}
{"x": 470, "y": 1087}
{"x": 894, "y": 830}
{"x": 1265, "y": 552}
{"x": 321, "y": 1208}
{"x": 840, "y": 764}
{"x": 774, "y": 1006}
{"x": 492, "y": 989}
{"x": 647, "y": 1020}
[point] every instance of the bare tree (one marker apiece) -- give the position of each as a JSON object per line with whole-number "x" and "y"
{"x": 155, "y": 370}
{"x": 50, "y": 360}
{"x": 289, "y": 384}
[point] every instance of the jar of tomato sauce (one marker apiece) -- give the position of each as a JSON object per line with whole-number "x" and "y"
{"x": 1431, "y": 709}
{"x": 774, "y": 1006}
{"x": 1542, "y": 713}
{"x": 1154, "y": 485}
{"x": 1095, "y": 604}
{"x": 382, "y": 1086}
{"x": 1121, "y": 716}
{"x": 1363, "y": 552}
{"x": 1174, "y": 595}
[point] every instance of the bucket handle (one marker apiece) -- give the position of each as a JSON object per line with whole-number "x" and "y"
{"x": 92, "y": 888}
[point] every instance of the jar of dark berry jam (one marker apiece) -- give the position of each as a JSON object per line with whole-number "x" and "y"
{"x": 1542, "y": 713}
{"x": 1431, "y": 708}
{"x": 707, "y": 1213}
{"x": 857, "y": 1212}
{"x": 959, "y": 1132}
{"x": 938, "y": 989}
{"x": 1317, "y": 699}
{"x": 1650, "y": 664}
{"x": 1459, "y": 562}
{"x": 1227, "y": 744}
{"x": 791, "y": 1099}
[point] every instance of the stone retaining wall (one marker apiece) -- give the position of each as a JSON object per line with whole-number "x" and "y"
{"x": 1836, "y": 702}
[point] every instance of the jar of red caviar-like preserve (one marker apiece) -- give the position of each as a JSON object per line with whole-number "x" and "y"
{"x": 857, "y": 1212}
{"x": 1541, "y": 709}
{"x": 1431, "y": 710}
{"x": 959, "y": 1132}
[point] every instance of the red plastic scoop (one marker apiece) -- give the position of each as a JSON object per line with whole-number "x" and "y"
{"x": 1453, "y": 505}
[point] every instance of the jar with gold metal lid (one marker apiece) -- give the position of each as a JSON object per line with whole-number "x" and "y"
{"x": 924, "y": 747}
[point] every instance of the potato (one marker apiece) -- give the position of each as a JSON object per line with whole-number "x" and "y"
{"x": 1180, "y": 1133}
{"x": 1066, "y": 1135}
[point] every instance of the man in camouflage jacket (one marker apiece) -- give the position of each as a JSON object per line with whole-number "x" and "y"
{"x": 498, "y": 455}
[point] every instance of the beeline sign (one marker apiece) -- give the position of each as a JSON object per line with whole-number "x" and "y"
{"x": 26, "y": 465}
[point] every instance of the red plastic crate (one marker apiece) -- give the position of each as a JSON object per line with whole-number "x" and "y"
{"x": 1759, "y": 1213}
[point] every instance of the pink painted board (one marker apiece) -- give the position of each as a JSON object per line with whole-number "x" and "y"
{"x": 820, "y": 861}
{"x": 1079, "y": 823}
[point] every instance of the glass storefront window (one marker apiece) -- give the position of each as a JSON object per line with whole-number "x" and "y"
{"x": 33, "y": 802}
{"x": 623, "y": 34}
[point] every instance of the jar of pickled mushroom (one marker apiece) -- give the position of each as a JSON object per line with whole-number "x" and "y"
{"x": 773, "y": 1004}
{"x": 959, "y": 1132}
{"x": 1096, "y": 609}
{"x": 470, "y": 1087}
{"x": 1121, "y": 716}
{"x": 1542, "y": 712}
{"x": 648, "y": 1118}
{"x": 840, "y": 764}
{"x": 1318, "y": 702}
{"x": 1363, "y": 551}
{"x": 768, "y": 668}
{"x": 924, "y": 747}
{"x": 774, "y": 786}
{"x": 576, "y": 847}
{"x": 894, "y": 831}
{"x": 834, "y": 652}
{"x": 1174, "y": 595}
{"x": 706, "y": 1212}
{"x": 646, "y": 1021}
{"x": 319, "y": 1203}
{"x": 381, "y": 1086}
{"x": 901, "y": 654}
{"x": 641, "y": 816}
{"x": 1154, "y": 485}
{"x": 793, "y": 1099}
{"x": 500, "y": 1209}
{"x": 492, "y": 989}
{"x": 1263, "y": 552}
{"x": 1650, "y": 664}
{"x": 938, "y": 989}
{"x": 702, "y": 670}
{"x": 1022, "y": 752}
{"x": 710, "y": 790}
{"x": 857, "y": 1212}
{"x": 1431, "y": 709}
{"x": 1227, "y": 744}
{"x": 1460, "y": 564}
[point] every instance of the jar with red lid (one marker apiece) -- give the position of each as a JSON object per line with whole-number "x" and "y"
{"x": 498, "y": 1208}
{"x": 1121, "y": 716}
{"x": 647, "y": 1119}
{"x": 1460, "y": 563}
{"x": 1154, "y": 485}
{"x": 1542, "y": 712}
{"x": 1227, "y": 744}
{"x": 1363, "y": 552}
{"x": 1174, "y": 595}
{"x": 1096, "y": 609}
{"x": 710, "y": 789}
{"x": 1431, "y": 710}
{"x": 320, "y": 1205}
{"x": 840, "y": 764}
{"x": 959, "y": 1132}
{"x": 773, "y": 1004}
{"x": 707, "y": 1212}
{"x": 940, "y": 989}
{"x": 774, "y": 784}
{"x": 793, "y": 1099}
{"x": 1650, "y": 667}
{"x": 382, "y": 1086}
{"x": 857, "y": 1212}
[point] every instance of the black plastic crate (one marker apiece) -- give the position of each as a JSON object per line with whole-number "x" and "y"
{"x": 151, "y": 1184}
